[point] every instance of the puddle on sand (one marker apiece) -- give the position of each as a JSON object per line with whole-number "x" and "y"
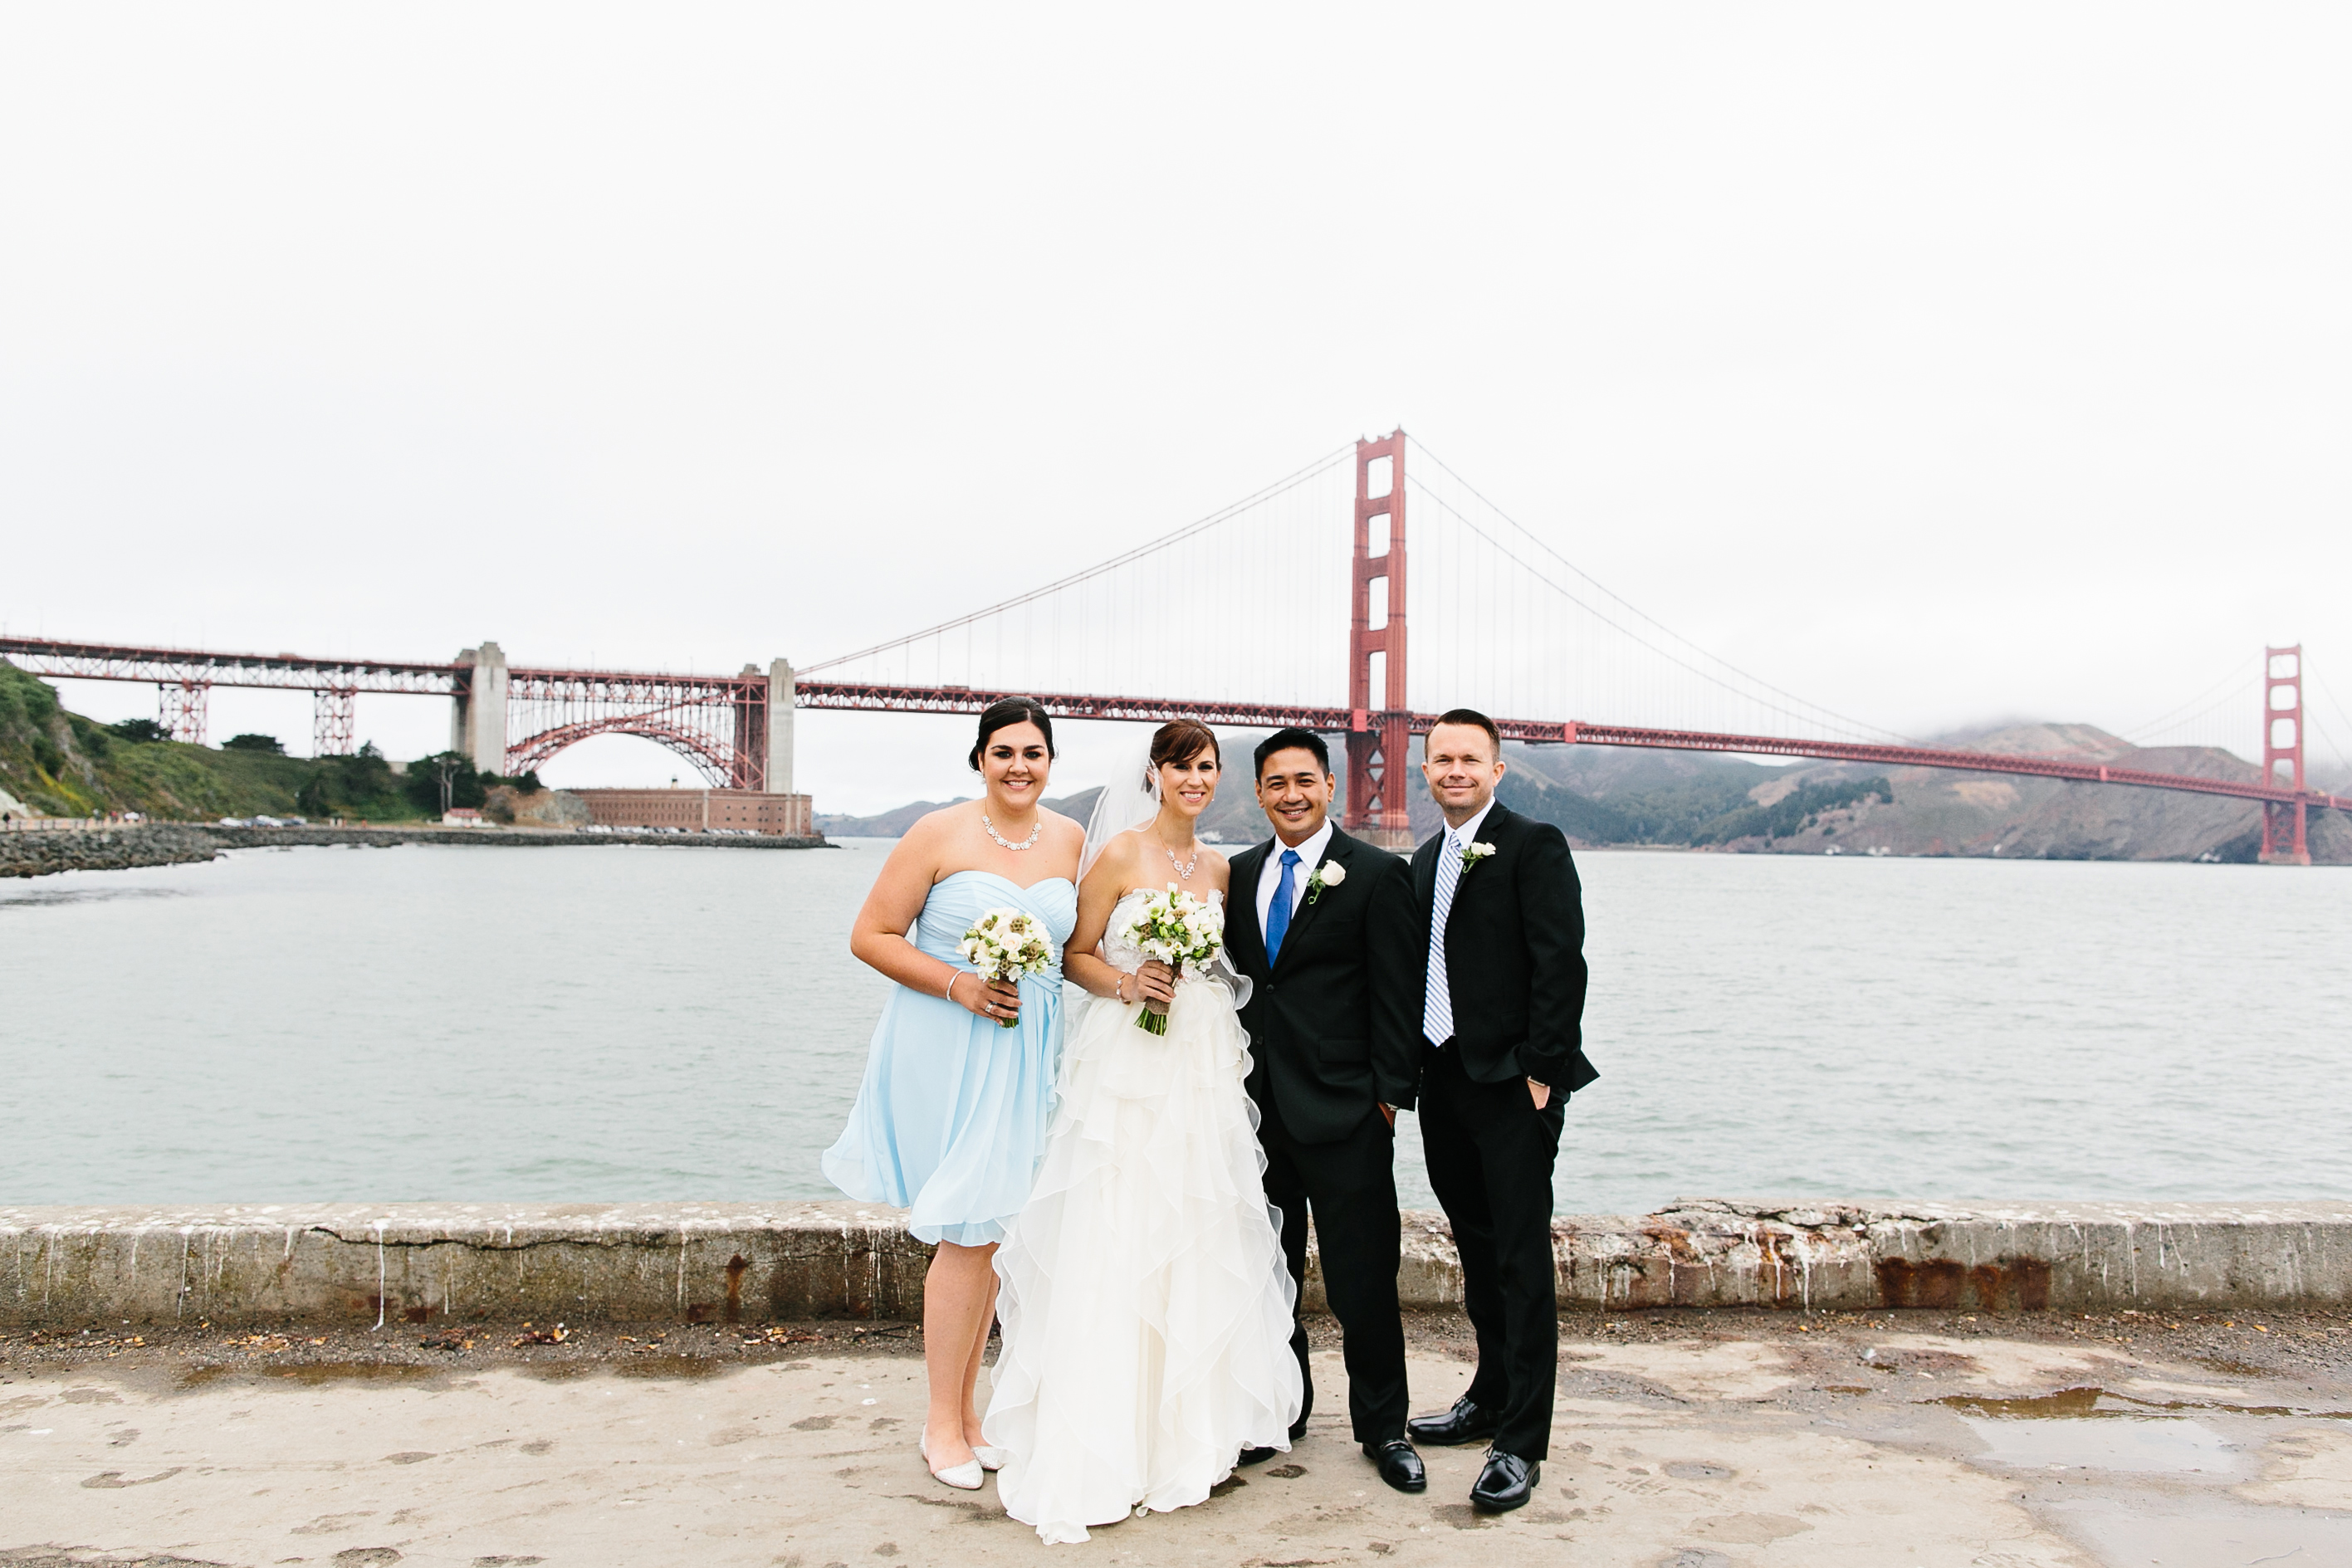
{"x": 312, "y": 1374}
{"x": 2085, "y": 1404}
{"x": 661, "y": 1365}
{"x": 2091, "y": 1428}
{"x": 2137, "y": 1444}
{"x": 2286, "y": 1538}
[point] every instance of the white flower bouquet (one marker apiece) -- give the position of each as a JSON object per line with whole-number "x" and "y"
{"x": 1179, "y": 930}
{"x": 1006, "y": 944}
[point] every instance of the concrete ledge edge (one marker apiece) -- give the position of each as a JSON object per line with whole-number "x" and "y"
{"x": 418, "y": 1263}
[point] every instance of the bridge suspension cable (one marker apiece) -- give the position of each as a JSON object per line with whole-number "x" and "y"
{"x": 1560, "y": 665}
{"x": 1191, "y": 531}
{"x": 1502, "y": 620}
{"x": 2216, "y": 715}
{"x": 2336, "y": 749}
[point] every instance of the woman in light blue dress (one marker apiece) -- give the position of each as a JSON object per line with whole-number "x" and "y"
{"x": 951, "y": 1120}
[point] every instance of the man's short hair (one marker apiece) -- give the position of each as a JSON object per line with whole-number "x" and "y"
{"x": 1284, "y": 740}
{"x": 1472, "y": 716}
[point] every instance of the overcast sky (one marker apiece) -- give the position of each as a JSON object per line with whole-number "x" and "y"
{"x": 1939, "y": 365}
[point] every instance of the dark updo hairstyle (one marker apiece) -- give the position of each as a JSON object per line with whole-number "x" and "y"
{"x": 1003, "y": 714}
{"x": 1181, "y": 740}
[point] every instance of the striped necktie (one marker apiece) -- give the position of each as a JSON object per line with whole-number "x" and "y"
{"x": 1437, "y": 1011}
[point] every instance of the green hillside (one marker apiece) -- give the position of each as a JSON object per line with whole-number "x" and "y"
{"x": 63, "y": 764}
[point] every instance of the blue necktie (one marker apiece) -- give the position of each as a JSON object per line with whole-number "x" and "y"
{"x": 1277, "y": 916}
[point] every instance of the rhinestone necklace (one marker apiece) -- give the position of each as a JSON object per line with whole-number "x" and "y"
{"x": 1184, "y": 868}
{"x": 1001, "y": 841}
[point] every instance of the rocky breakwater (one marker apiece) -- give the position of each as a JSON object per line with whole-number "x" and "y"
{"x": 38, "y": 853}
{"x": 119, "y": 847}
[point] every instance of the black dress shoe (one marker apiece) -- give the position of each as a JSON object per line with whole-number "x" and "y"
{"x": 1465, "y": 1423}
{"x": 1505, "y": 1483}
{"x": 1400, "y": 1466}
{"x": 1255, "y": 1456}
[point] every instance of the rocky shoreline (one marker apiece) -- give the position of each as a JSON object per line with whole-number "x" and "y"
{"x": 121, "y": 847}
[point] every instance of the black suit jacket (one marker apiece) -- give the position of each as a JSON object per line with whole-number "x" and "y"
{"x": 1514, "y": 954}
{"x": 1333, "y": 1024}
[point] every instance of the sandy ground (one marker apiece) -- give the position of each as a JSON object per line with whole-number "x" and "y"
{"x": 1684, "y": 1441}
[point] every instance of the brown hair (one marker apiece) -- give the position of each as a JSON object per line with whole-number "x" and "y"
{"x": 1181, "y": 740}
{"x": 1472, "y": 718}
{"x": 1005, "y": 712}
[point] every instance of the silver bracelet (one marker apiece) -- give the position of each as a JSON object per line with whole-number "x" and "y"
{"x": 952, "y": 978}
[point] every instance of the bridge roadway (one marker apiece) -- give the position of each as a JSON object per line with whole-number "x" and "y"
{"x": 1545, "y": 732}
{"x": 670, "y": 693}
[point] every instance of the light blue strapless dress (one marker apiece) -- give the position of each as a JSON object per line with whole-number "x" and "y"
{"x": 951, "y": 1120}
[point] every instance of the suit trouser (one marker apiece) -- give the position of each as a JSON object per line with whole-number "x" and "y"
{"x": 1351, "y": 1185}
{"x": 1490, "y": 1159}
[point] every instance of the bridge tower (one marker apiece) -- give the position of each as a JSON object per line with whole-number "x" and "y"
{"x": 478, "y": 709}
{"x": 334, "y": 721}
{"x": 751, "y": 705}
{"x": 2282, "y": 824}
{"x": 1380, "y": 731}
{"x": 183, "y": 709}
{"x": 780, "y": 727}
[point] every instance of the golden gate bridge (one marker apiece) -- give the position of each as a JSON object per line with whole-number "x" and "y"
{"x": 1498, "y": 620}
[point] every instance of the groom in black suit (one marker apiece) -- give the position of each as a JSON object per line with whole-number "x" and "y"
{"x": 1325, "y": 927}
{"x": 1502, "y": 930}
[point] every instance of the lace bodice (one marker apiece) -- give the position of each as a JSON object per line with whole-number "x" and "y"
{"x": 1124, "y": 954}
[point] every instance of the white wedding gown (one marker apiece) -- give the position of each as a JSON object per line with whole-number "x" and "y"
{"x": 1146, "y": 1310}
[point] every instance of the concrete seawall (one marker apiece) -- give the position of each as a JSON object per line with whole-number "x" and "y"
{"x": 418, "y": 1263}
{"x": 117, "y": 848}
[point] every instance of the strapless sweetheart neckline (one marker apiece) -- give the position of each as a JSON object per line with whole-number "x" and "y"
{"x": 1024, "y": 887}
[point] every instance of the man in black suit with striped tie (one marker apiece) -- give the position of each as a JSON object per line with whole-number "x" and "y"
{"x": 1501, "y": 1035}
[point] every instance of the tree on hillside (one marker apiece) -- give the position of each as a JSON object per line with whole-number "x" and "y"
{"x": 361, "y": 785}
{"x": 144, "y": 731}
{"x": 270, "y": 745}
{"x": 446, "y": 779}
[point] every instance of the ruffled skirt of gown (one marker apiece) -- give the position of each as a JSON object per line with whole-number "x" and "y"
{"x": 1146, "y": 1310}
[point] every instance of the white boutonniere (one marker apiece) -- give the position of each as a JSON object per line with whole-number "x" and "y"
{"x": 1330, "y": 873}
{"x": 1473, "y": 853}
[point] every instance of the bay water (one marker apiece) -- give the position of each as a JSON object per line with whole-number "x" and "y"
{"x": 642, "y": 1022}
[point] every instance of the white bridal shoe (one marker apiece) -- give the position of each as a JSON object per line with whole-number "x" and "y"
{"x": 964, "y": 1476}
{"x": 990, "y": 1459}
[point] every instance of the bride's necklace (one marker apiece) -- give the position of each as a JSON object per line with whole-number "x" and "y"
{"x": 1029, "y": 843}
{"x": 1184, "y": 868}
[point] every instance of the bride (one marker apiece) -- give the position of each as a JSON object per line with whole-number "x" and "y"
{"x": 1146, "y": 1310}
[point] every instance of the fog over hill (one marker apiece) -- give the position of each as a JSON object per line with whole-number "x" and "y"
{"x": 1610, "y": 796}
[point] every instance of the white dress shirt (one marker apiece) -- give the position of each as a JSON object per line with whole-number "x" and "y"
{"x": 1269, "y": 876}
{"x": 1467, "y": 833}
